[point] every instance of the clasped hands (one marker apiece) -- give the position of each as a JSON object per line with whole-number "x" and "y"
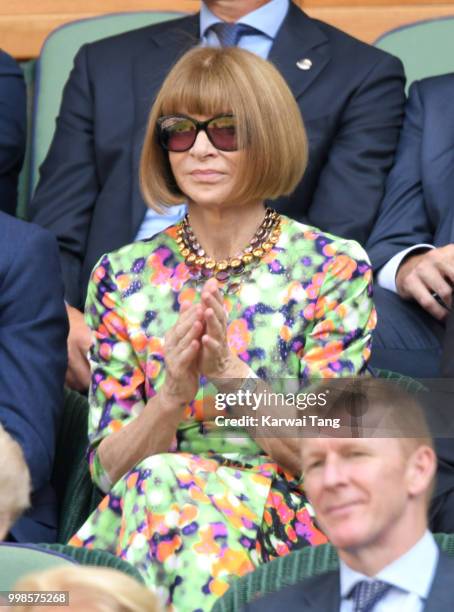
{"x": 197, "y": 345}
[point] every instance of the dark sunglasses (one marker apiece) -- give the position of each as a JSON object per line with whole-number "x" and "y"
{"x": 178, "y": 133}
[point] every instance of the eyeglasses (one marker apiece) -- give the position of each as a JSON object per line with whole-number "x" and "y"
{"x": 178, "y": 133}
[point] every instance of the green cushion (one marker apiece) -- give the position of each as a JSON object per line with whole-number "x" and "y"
{"x": 99, "y": 558}
{"x": 23, "y": 195}
{"x": 290, "y": 569}
{"x": 18, "y": 560}
{"x": 55, "y": 63}
{"x": 77, "y": 495}
{"x": 406, "y": 382}
{"x": 426, "y": 48}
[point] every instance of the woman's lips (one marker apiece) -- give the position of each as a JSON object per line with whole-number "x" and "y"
{"x": 206, "y": 175}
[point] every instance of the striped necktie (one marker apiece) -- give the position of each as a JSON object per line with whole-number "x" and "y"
{"x": 367, "y": 593}
{"x": 230, "y": 33}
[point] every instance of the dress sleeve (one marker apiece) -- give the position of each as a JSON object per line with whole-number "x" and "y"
{"x": 343, "y": 318}
{"x": 117, "y": 391}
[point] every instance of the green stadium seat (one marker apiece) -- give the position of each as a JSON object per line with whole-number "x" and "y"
{"x": 288, "y": 570}
{"x": 17, "y": 560}
{"x": 100, "y": 558}
{"x": 426, "y": 48}
{"x": 76, "y": 494}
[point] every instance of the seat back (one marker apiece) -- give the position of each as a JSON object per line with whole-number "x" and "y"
{"x": 76, "y": 494}
{"x": 17, "y": 560}
{"x": 290, "y": 569}
{"x": 98, "y": 558}
{"x": 54, "y": 65}
{"x": 426, "y": 48}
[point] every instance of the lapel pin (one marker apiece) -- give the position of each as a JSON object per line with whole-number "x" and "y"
{"x": 304, "y": 64}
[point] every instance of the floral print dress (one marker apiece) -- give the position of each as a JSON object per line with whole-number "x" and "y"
{"x": 215, "y": 506}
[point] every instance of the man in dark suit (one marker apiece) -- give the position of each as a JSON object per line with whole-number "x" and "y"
{"x": 370, "y": 496}
{"x": 412, "y": 243}
{"x": 33, "y": 330}
{"x": 12, "y": 130}
{"x": 350, "y": 94}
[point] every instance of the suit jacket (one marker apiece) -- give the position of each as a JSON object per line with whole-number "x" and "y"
{"x": 351, "y": 100}
{"x": 322, "y": 593}
{"x": 418, "y": 206}
{"x": 12, "y": 130}
{"x": 33, "y": 330}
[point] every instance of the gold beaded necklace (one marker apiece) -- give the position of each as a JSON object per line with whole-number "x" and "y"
{"x": 202, "y": 267}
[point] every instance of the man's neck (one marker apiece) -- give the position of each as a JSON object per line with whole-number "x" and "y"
{"x": 372, "y": 559}
{"x": 232, "y": 10}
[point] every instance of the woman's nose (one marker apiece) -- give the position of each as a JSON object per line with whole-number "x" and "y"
{"x": 202, "y": 145}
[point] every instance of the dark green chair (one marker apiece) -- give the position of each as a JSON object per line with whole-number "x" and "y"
{"x": 100, "y": 558}
{"x": 77, "y": 495}
{"x": 17, "y": 560}
{"x": 288, "y": 570}
{"x": 426, "y": 48}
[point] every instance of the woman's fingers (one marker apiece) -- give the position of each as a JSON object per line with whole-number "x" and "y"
{"x": 187, "y": 354}
{"x": 186, "y": 322}
{"x": 211, "y": 302}
{"x": 214, "y": 327}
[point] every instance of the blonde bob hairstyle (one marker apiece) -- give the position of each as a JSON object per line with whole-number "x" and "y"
{"x": 208, "y": 82}
{"x": 91, "y": 589}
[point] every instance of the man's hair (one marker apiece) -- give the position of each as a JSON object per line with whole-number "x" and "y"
{"x": 270, "y": 130}
{"x": 94, "y": 589}
{"x": 15, "y": 485}
{"x": 377, "y": 407}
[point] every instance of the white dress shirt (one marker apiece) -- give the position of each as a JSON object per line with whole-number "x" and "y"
{"x": 411, "y": 577}
{"x": 386, "y": 277}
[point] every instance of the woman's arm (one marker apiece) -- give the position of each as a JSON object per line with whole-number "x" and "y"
{"x": 124, "y": 425}
{"x": 337, "y": 344}
{"x": 149, "y": 433}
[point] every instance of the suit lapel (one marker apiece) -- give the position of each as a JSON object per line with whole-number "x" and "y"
{"x": 149, "y": 71}
{"x": 441, "y": 595}
{"x": 299, "y": 38}
{"x": 323, "y": 594}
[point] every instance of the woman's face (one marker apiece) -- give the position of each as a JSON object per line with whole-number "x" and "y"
{"x": 205, "y": 174}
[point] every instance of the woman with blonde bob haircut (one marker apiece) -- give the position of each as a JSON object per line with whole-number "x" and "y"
{"x": 229, "y": 300}
{"x": 270, "y": 128}
{"x": 90, "y": 589}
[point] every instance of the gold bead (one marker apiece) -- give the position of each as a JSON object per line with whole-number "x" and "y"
{"x": 191, "y": 258}
{"x": 247, "y": 258}
{"x": 185, "y": 252}
{"x": 210, "y": 264}
{"x": 235, "y": 263}
{"x": 258, "y": 252}
{"x": 273, "y": 239}
{"x": 267, "y": 246}
{"x": 200, "y": 261}
{"x": 222, "y": 265}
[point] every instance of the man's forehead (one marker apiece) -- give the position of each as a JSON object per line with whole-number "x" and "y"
{"x": 325, "y": 445}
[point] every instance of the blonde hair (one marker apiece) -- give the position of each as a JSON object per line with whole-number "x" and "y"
{"x": 91, "y": 589}
{"x": 210, "y": 81}
{"x": 15, "y": 485}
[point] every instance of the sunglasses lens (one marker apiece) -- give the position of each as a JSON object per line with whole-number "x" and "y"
{"x": 178, "y": 134}
{"x": 222, "y": 132}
